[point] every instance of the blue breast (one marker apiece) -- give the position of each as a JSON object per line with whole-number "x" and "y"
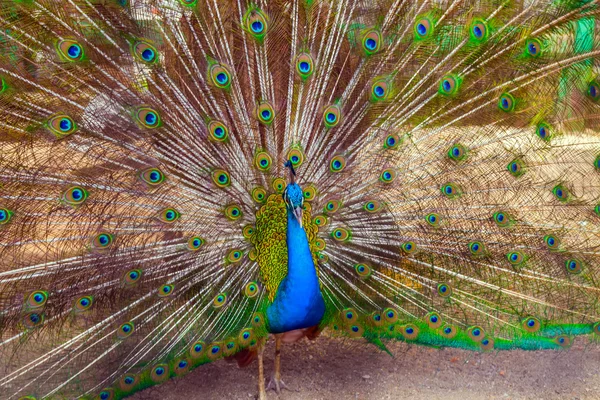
{"x": 298, "y": 302}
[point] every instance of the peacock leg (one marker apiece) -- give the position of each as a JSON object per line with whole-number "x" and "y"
{"x": 262, "y": 394}
{"x": 276, "y": 383}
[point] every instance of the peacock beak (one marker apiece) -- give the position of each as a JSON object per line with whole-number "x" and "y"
{"x": 298, "y": 215}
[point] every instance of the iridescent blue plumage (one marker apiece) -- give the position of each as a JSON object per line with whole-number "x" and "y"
{"x": 298, "y": 302}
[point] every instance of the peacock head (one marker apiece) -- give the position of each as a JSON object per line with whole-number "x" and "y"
{"x": 293, "y": 195}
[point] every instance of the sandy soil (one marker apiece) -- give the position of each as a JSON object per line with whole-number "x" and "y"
{"x": 336, "y": 369}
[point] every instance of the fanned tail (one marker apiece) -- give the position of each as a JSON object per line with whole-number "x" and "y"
{"x": 448, "y": 152}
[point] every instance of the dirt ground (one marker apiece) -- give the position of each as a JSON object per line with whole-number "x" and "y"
{"x": 332, "y": 369}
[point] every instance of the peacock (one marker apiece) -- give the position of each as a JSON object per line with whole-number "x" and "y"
{"x": 181, "y": 179}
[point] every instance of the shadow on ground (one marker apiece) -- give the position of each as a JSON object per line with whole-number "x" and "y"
{"x": 332, "y": 369}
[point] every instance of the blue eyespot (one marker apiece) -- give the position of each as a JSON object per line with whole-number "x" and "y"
{"x": 542, "y": 132}
{"x": 148, "y": 54}
{"x": 74, "y": 51}
{"x": 304, "y": 67}
{"x": 103, "y": 240}
{"x": 446, "y": 85}
{"x": 222, "y": 78}
{"x": 379, "y": 91}
{"x": 257, "y": 26}
{"x": 477, "y": 31}
{"x": 433, "y": 319}
{"x": 266, "y": 114}
{"x": 151, "y": 118}
{"x": 129, "y": 380}
{"x": 371, "y": 44}
{"x": 331, "y": 117}
{"x": 422, "y": 29}
{"x": 159, "y": 371}
{"x": 65, "y": 125}
{"x": 183, "y": 364}
{"x": 410, "y": 331}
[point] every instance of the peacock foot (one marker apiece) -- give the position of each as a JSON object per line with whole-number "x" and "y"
{"x": 278, "y": 385}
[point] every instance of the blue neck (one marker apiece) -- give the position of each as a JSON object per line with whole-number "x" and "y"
{"x": 298, "y": 303}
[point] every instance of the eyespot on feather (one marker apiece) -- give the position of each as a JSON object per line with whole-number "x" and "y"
{"x": 304, "y": 65}
{"x": 70, "y": 50}
{"x": 263, "y": 161}
{"x": 337, "y": 164}
{"x": 221, "y": 178}
{"x": 152, "y": 177}
{"x": 169, "y": 215}
{"x": 218, "y": 131}
{"x": 132, "y": 277}
{"x": 102, "y": 241}
{"x": 197, "y": 349}
{"x": 259, "y": 195}
{"x": 434, "y": 320}
{"x": 145, "y": 52}
{"x": 265, "y": 113}
{"x": 61, "y": 125}
{"x": 195, "y": 243}
{"x": 233, "y": 212}
{"x": 147, "y": 118}
{"x": 371, "y": 41}
{"x": 125, "y": 330}
{"x": 83, "y": 304}
{"x": 160, "y": 373}
{"x": 332, "y": 115}
{"x": 5, "y": 216}
{"x": 75, "y": 196}
{"x": 506, "y": 102}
